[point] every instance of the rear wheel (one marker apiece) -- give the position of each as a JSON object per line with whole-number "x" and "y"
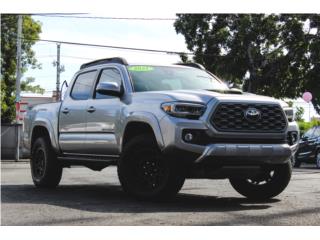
{"x": 268, "y": 184}
{"x": 318, "y": 158}
{"x": 45, "y": 169}
{"x": 146, "y": 173}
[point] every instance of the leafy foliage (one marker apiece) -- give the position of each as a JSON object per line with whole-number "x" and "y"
{"x": 305, "y": 126}
{"x": 28, "y": 87}
{"x": 30, "y": 30}
{"x": 276, "y": 55}
{"x": 299, "y": 113}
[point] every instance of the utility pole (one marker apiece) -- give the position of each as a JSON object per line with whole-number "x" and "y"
{"x": 309, "y": 111}
{"x": 58, "y": 73}
{"x": 18, "y": 89}
{"x": 18, "y": 64}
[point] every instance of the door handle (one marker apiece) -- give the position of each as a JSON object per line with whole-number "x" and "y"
{"x": 65, "y": 110}
{"x": 91, "y": 109}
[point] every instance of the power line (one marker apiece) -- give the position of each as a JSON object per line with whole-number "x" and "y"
{"x": 107, "y": 46}
{"x": 43, "y": 76}
{"x": 107, "y": 18}
{"x": 64, "y": 56}
{"x": 43, "y": 43}
{"x": 49, "y": 14}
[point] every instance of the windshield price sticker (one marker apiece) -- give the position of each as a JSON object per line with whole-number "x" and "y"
{"x": 140, "y": 68}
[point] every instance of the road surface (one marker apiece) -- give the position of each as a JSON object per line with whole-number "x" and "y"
{"x": 85, "y": 197}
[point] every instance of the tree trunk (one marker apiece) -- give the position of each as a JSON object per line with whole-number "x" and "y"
{"x": 252, "y": 86}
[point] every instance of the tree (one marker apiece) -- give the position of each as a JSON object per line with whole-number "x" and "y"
{"x": 30, "y": 32}
{"x": 28, "y": 87}
{"x": 276, "y": 55}
{"x": 299, "y": 113}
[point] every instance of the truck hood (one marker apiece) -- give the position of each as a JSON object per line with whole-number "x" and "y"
{"x": 204, "y": 96}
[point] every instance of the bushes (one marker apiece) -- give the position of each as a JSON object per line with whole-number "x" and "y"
{"x": 304, "y": 126}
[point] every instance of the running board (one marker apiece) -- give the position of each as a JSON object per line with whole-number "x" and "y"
{"x": 86, "y": 160}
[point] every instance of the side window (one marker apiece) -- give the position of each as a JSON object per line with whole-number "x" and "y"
{"x": 317, "y": 132}
{"x": 309, "y": 133}
{"x": 82, "y": 87}
{"x": 108, "y": 75}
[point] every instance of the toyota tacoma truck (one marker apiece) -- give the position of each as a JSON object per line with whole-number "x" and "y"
{"x": 160, "y": 125}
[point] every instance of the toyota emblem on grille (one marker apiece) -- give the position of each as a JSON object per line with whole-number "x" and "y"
{"x": 252, "y": 114}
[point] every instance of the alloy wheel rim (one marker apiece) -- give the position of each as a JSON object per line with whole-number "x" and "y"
{"x": 263, "y": 178}
{"x": 39, "y": 163}
{"x": 150, "y": 170}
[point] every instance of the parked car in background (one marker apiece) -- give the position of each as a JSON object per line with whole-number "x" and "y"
{"x": 309, "y": 148}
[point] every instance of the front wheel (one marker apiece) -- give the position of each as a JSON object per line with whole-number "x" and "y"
{"x": 295, "y": 162}
{"x": 45, "y": 169}
{"x": 144, "y": 172}
{"x": 268, "y": 184}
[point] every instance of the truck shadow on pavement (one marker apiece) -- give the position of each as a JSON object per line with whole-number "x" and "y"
{"x": 111, "y": 198}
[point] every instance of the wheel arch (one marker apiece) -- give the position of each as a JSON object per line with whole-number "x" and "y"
{"x": 139, "y": 124}
{"x": 42, "y": 128}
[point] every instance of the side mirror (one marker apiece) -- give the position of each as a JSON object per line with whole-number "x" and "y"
{"x": 109, "y": 88}
{"x": 63, "y": 90}
{"x": 230, "y": 84}
{"x": 304, "y": 138}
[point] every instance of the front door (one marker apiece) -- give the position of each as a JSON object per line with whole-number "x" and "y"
{"x": 103, "y": 111}
{"x": 72, "y": 117}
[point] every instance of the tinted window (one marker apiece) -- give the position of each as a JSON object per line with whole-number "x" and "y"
{"x": 161, "y": 78}
{"x": 309, "y": 133}
{"x": 108, "y": 75}
{"x": 317, "y": 132}
{"x": 82, "y": 87}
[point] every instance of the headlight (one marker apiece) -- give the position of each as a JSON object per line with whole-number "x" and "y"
{"x": 289, "y": 113}
{"x": 184, "y": 109}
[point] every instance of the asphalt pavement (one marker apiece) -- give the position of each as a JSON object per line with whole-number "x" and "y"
{"x": 86, "y": 197}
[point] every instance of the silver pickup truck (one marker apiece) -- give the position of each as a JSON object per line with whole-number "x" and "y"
{"x": 160, "y": 125}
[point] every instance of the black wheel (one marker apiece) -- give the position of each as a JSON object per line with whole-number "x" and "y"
{"x": 295, "y": 162}
{"x": 45, "y": 169}
{"x": 292, "y": 161}
{"x": 268, "y": 184}
{"x": 146, "y": 173}
{"x": 318, "y": 158}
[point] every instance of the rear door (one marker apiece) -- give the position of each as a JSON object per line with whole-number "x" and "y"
{"x": 103, "y": 111}
{"x": 72, "y": 118}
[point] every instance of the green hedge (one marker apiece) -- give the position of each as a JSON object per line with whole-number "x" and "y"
{"x": 305, "y": 126}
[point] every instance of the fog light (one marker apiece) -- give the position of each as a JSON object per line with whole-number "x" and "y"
{"x": 292, "y": 138}
{"x": 188, "y": 137}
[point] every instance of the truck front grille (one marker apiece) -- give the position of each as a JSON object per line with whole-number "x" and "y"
{"x": 231, "y": 117}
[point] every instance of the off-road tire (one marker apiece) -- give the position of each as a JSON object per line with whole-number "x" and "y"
{"x": 297, "y": 163}
{"x": 318, "y": 158}
{"x": 145, "y": 173}
{"x": 264, "y": 187}
{"x": 46, "y": 171}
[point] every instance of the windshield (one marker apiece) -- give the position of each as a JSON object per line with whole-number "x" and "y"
{"x": 161, "y": 78}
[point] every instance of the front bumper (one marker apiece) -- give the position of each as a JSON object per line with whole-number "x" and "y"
{"x": 260, "y": 153}
{"x": 225, "y": 152}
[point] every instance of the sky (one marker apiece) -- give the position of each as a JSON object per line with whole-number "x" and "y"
{"x": 159, "y": 35}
